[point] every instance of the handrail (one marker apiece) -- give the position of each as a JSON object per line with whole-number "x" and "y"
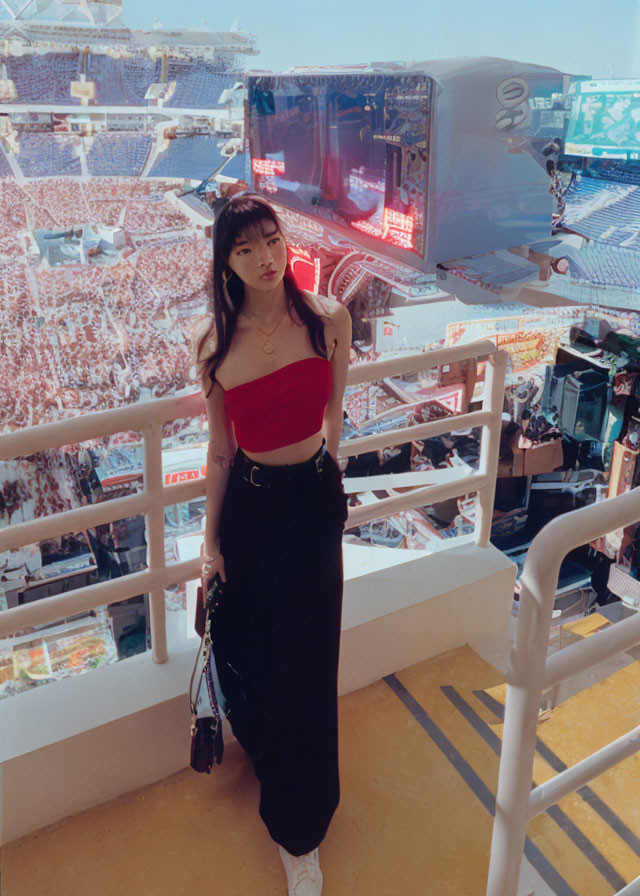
{"x": 378, "y": 370}
{"x": 148, "y": 418}
{"x": 529, "y": 672}
{"x": 582, "y": 772}
{"x": 418, "y": 431}
{"x": 489, "y": 418}
{"x": 97, "y": 424}
{"x": 610, "y": 642}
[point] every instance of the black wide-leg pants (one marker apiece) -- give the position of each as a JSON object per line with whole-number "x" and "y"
{"x": 276, "y": 641}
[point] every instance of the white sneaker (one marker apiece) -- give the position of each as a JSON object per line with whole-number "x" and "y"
{"x": 304, "y": 876}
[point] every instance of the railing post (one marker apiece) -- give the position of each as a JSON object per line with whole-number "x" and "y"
{"x": 494, "y": 376}
{"x": 529, "y": 671}
{"x": 524, "y": 676}
{"x": 155, "y": 531}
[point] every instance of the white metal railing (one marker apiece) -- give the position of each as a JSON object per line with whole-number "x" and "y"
{"x": 482, "y": 482}
{"x": 530, "y": 672}
{"x": 148, "y": 417}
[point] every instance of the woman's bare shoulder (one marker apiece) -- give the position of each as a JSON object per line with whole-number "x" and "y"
{"x": 322, "y": 305}
{"x": 204, "y": 325}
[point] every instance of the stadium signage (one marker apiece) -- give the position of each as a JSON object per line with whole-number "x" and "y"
{"x": 268, "y": 167}
{"x": 184, "y": 475}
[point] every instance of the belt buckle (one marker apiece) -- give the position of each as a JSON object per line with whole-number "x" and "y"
{"x": 258, "y": 484}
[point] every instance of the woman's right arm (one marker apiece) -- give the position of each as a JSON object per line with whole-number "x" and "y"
{"x": 220, "y": 454}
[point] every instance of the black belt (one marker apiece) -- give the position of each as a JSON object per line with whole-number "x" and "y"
{"x": 267, "y": 474}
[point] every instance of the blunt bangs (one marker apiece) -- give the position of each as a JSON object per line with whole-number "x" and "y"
{"x": 243, "y": 213}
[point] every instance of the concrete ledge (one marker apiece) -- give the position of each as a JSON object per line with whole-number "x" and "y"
{"x": 82, "y": 741}
{"x": 455, "y": 597}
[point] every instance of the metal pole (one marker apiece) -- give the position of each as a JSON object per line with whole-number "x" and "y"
{"x": 551, "y": 792}
{"x": 155, "y": 531}
{"x": 632, "y": 889}
{"x": 494, "y": 375}
{"x": 525, "y": 676}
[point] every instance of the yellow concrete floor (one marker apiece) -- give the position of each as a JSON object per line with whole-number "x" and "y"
{"x": 418, "y": 777}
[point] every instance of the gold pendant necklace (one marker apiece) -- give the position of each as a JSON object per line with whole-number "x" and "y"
{"x": 268, "y": 347}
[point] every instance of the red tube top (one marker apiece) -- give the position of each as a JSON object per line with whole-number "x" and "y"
{"x": 282, "y": 407}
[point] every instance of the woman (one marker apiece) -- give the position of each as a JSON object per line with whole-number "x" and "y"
{"x": 276, "y": 509}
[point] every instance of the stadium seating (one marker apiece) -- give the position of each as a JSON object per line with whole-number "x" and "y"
{"x": 627, "y": 172}
{"x": 237, "y": 167}
{"x": 606, "y": 265}
{"x": 194, "y": 157}
{"x": 198, "y": 86}
{"x": 42, "y": 155}
{"x": 5, "y": 168}
{"x": 47, "y": 78}
{"x": 44, "y": 78}
{"x": 122, "y": 81}
{"x": 118, "y": 154}
{"x": 604, "y": 211}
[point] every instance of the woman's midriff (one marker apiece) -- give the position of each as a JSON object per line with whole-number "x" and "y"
{"x": 296, "y": 453}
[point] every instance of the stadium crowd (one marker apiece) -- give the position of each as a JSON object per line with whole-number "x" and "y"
{"x": 81, "y": 337}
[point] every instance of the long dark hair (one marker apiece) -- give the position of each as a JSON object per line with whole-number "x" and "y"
{"x": 242, "y": 211}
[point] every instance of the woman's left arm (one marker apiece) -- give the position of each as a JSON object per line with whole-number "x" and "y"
{"x": 333, "y": 415}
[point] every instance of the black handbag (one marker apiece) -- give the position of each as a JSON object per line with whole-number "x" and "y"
{"x": 206, "y": 730}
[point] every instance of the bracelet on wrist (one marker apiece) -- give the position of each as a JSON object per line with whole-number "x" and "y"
{"x": 203, "y": 551}
{"x": 206, "y": 560}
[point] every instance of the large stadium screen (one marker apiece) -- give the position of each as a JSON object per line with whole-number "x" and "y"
{"x": 605, "y": 120}
{"x": 351, "y": 149}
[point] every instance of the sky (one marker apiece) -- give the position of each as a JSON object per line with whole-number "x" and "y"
{"x": 585, "y": 37}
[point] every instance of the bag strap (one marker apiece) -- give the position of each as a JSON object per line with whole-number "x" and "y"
{"x": 195, "y": 665}
{"x": 213, "y": 700}
{"x": 206, "y": 672}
